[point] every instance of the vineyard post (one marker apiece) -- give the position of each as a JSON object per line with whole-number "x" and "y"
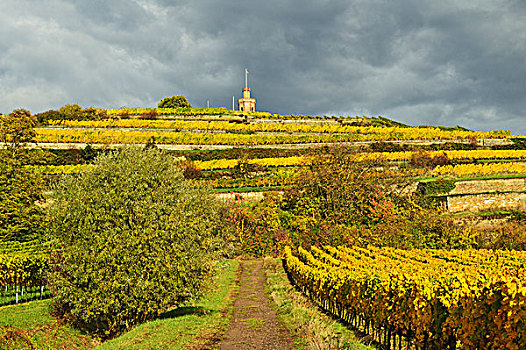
{"x": 426, "y": 341}
{"x": 452, "y": 342}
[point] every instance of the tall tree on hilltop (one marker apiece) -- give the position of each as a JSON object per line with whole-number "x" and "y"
{"x": 17, "y": 129}
{"x": 178, "y": 101}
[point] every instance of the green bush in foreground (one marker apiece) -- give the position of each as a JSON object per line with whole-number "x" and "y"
{"x": 132, "y": 238}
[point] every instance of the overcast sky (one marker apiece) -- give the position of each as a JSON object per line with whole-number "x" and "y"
{"x": 435, "y": 62}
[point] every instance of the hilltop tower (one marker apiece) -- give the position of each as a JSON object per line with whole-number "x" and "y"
{"x": 247, "y": 103}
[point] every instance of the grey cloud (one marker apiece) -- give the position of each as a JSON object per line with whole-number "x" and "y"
{"x": 420, "y": 62}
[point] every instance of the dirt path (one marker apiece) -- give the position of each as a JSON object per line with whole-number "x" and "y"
{"x": 254, "y": 324}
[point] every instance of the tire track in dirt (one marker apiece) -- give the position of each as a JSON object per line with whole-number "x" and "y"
{"x": 254, "y": 324}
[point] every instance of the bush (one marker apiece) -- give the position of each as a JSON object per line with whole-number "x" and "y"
{"x": 88, "y": 153}
{"x": 259, "y": 228}
{"x": 190, "y": 171}
{"x": 436, "y": 187}
{"x": 425, "y": 160}
{"x": 132, "y": 238}
{"x": 510, "y": 235}
{"x": 149, "y": 115}
{"x": 244, "y": 169}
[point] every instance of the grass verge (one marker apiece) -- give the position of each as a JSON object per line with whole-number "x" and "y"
{"x": 30, "y": 326}
{"x": 195, "y": 325}
{"x": 309, "y": 326}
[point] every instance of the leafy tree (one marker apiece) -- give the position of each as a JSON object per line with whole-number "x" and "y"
{"x": 21, "y": 219}
{"x": 71, "y": 112}
{"x": 132, "y": 238}
{"x": 178, "y": 101}
{"x": 17, "y": 129}
{"x": 342, "y": 201}
{"x": 93, "y": 114}
{"x": 44, "y": 117}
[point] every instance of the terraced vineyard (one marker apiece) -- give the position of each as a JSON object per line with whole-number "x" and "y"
{"x": 187, "y": 129}
{"x": 278, "y": 171}
{"x": 428, "y": 299}
{"x": 227, "y": 133}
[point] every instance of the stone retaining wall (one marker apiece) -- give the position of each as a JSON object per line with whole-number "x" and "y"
{"x": 489, "y": 186}
{"x": 250, "y": 196}
{"x": 487, "y": 202}
{"x": 486, "y": 195}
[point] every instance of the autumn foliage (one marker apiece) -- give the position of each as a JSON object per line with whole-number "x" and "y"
{"x": 434, "y": 298}
{"x": 338, "y": 200}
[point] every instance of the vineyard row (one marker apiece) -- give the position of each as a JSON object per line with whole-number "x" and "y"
{"x": 471, "y": 299}
{"x": 388, "y": 133}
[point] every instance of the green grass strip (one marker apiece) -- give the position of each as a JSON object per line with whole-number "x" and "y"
{"x": 481, "y": 214}
{"x": 197, "y": 325}
{"x": 35, "y": 328}
{"x": 309, "y": 327}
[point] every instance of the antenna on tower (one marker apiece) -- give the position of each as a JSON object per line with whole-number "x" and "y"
{"x": 246, "y": 78}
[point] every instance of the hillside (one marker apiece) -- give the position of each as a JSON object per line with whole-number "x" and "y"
{"x": 349, "y": 189}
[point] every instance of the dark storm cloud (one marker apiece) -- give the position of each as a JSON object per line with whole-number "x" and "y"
{"x": 420, "y": 62}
